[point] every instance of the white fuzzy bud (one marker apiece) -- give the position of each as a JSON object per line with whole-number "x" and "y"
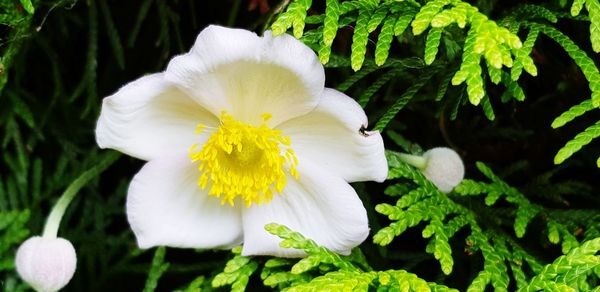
{"x": 47, "y": 264}
{"x": 444, "y": 168}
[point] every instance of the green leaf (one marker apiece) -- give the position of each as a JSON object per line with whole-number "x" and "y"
{"x": 529, "y": 11}
{"x": 384, "y": 236}
{"x": 553, "y": 233}
{"x": 470, "y": 70}
{"x": 237, "y": 272}
{"x": 589, "y": 69}
{"x": 141, "y": 16}
{"x": 572, "y": 113}
{"x": 522, "y": 219}
{"x": 330, "y": 24}
{"x": 28, "y": 6}
{"x": 567, "y": 271}
{"x": 512, "y": 87}
{"x": 522, "y": 58}
{"x": 377, "y": 18}
{"x": 426, "y": 14}
{"x": 384, "y": 41}
{"x": 366, "y": 95}
{"x": 360, "y": 40}
{"x": 480, "y": 282}
{"x": 495, "y": 74}
{"x": 403, "y": 100}
{"x": 488, "y": 110}
{"x": 113, "y": 35}
{"x": 580, "y": 140}
{"x": 432, "y": 44}
{"x": 577, "y": 6}
{"x": 157, "y": 268}
{"x": 593, "y": 7}
{"x": 402, "y": 24}
{"x": 306, "y": 264}
{"x": 356, "y": 77}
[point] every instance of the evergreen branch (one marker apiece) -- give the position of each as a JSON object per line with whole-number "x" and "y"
{"x": 577, "y": 6}
{"x": 237, "y": 272}
{"x": 593, "y": 7}
{"x": 513, "y": 89}
{"x": 580, "y": 140}
{"x": 113, "y": 34}
{"x": 522, "y": 59}
{"x": 573, "y": 113}
{"x": 157, "y": 268}
{"x": 426, "y": 14}
{"x": 488, "y": 110}
{"x": 377, "y": 17}
{"x": 330, "y": 24}
{"x": 384, "y": 41}
{"x": 360, "y": 39}
{"x": 567, "y": 272}
{"x": 317, "y": 254}
{"x": 531, "y": 11}
{"x": 347, "y": 277}
{"x": 444, "y": 83}
{"x": 432, "y": 44}
{"x": 587, "y": 66}
{"x": 404, "y": 99}
{"x": 366, "y": 95}
{"x": 13, "y": 230}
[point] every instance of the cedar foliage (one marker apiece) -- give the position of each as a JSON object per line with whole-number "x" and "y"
{"x": 514, "y": 85}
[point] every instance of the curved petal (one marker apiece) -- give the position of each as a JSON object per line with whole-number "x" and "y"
{"x": 165, "y": 206}
{"x": 149, "y": 117}
{"x": 234, "y": 70}
{"x": 331, "y": 135}
{"x": 319, "y": 205}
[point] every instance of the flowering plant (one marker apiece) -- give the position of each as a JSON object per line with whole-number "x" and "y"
{"x": 267, "y": 143}
{"x": 199, "y": 145}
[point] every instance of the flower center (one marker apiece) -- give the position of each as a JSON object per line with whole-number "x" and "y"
{"x": 246, "y": 161}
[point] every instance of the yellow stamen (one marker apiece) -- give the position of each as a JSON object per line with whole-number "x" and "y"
{"x": 241, "y": 160}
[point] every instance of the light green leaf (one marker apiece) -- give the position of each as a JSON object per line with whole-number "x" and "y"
{"x": 28, "y": 6}
{"x": 572, "y": 113}
{"x": 577, "y": 6}
{"x": 330, "y": 24}
{"x": 580, "y": 140}
{"x": 432, "y": 44}
{"x": 360, "y": 40}
{"x": 593, "y": 7}
{"x": 384, "y": 41}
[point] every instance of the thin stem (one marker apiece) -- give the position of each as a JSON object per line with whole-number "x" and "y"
{"x": 53, "y": 221}
{"x": 414, "y": 160}
{"x": 234, "y": 12}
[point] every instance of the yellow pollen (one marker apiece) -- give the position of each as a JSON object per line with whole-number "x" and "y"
{"x": 241, "y": 160}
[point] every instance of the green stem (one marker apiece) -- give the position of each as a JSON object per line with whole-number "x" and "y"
{"x": 233, "y": 14}
{"x": 53, "y": 221}
{"x": 414, "y": 160}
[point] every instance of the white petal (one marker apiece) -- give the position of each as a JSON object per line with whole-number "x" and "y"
{"x": 445, "y": 168}
{"x": 46, "y": 263}
{"x": 321, "y": 206}
{"x": 150, "y": 117}
{"x": 236, "y": 71}
{"x": 330, "y": 136}
{"x": 165, "y": 206}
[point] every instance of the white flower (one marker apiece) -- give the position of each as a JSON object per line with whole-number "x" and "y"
{"x": 47, "y": 264}
{"x": 238, "y": 133}
{"x": 444, "y": 168}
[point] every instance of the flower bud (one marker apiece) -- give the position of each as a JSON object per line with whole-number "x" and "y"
{"x": 444, "y": 168}
{"x": 46, "y": 263}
